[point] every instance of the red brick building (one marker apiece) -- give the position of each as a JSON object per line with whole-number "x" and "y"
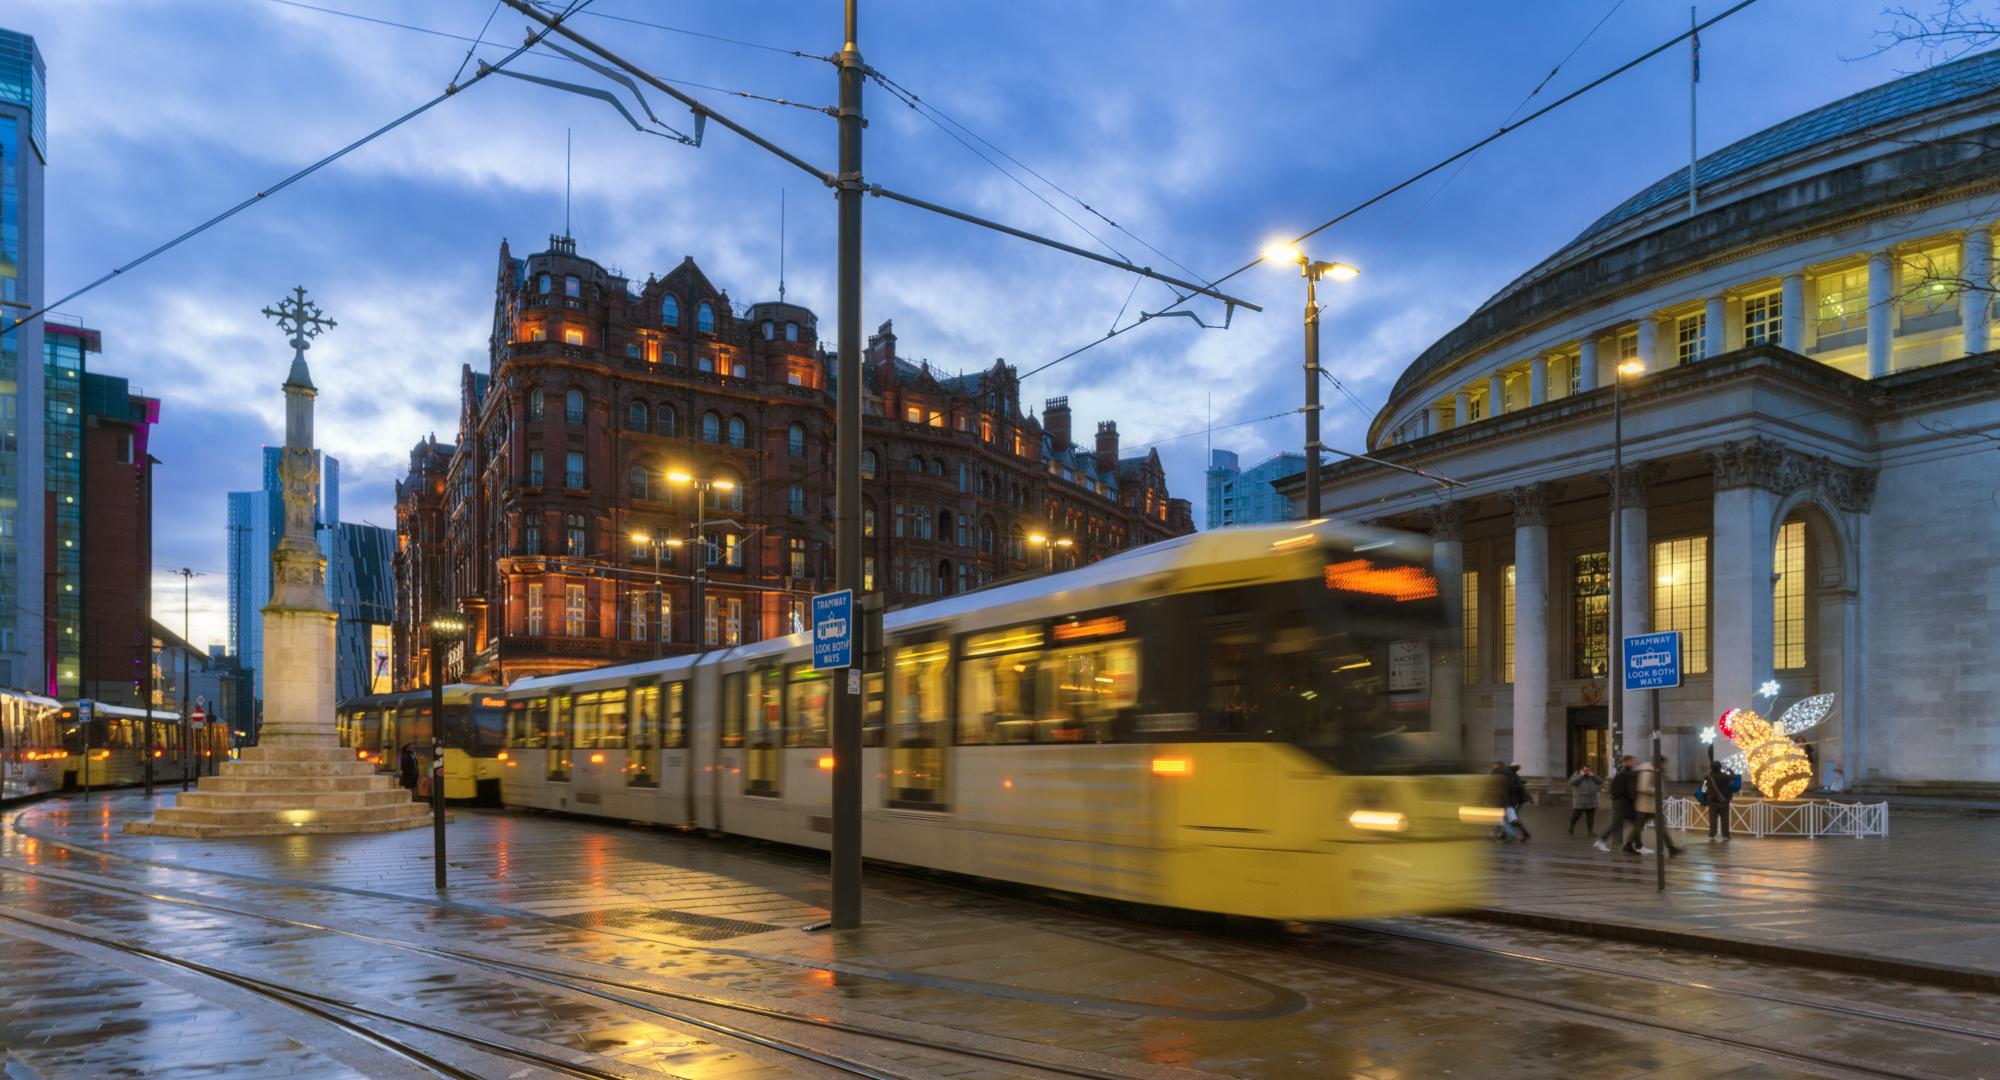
{"x": 597, "y": 389}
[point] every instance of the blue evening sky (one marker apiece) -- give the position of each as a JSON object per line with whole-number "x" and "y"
{"x": 1204, "y": 128}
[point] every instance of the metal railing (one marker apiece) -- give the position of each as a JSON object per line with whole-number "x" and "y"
{"x": 1809, "y": 818}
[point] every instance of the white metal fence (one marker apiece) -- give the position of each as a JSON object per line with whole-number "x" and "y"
{"x": 1787, "y": 817}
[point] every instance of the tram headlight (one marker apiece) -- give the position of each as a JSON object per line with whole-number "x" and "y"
{"x": 1168, "y": 766}
{"x": 1481, "y": 815}
{"x": 1378, "y": 820}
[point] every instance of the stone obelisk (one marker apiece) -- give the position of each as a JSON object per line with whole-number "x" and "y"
{"x": 298, "y": 778}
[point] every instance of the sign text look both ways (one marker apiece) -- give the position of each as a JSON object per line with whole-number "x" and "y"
{"x": 833, "y": 630}
{"x": 1653, "y": 661}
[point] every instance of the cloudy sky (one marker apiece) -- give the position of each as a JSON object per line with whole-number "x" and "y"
{"x": 1202, "y": 128}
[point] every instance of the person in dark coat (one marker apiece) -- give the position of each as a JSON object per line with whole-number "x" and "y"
{"x": 1624, "y": 789}
{"x": 1721, "y": 790}
{"x": 1584, "y": 803}
{"x": 1517, "y": 797}
{"x": 406, "y": 763}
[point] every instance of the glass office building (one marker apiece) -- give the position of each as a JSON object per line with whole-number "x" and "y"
{"x": 23, "y": 153}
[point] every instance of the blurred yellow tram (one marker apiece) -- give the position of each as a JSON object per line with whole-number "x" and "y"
{"x": 1237, "y": 721}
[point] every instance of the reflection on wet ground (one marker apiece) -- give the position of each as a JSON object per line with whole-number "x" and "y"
{"x": 560, "y": 899}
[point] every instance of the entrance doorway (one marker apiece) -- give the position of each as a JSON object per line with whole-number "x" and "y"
{"x": 1589, "y": 739}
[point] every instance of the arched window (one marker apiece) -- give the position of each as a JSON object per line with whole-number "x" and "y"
{"x": 576, "y": 535}
{"x": 770, "y": 331}
{"x": 868, "y": 520}
{"x": 670, "y": 310}
{"x": 937, "y": 466}
{"x": 637, "y": 416}
{"x": 737, "y": 432}
{"x": 638, "y": 483}
{"x": 868, "y": 464}
{"x": 537, "y": 401}
{"x": 795, "y": 441}
{"x": 571, "y": 286}
{"x": 731, "y": 499}
{"x": 923, "y": 523}
{"x": 916, "y": 464}
{"x": 704, "y": 317}
{"x": 573, "y": 407}
{"x": 986, "y": 533}
{"x": 543, "y": 284}
{"x": 791, "y": 331}
{"x": 664, "y": 421}
{"x": 711, "y": 427}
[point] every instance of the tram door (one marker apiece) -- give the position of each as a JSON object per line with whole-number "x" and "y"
{"x": 1589, "y": 739}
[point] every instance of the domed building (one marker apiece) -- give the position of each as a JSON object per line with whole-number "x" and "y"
{"x": 1809, "y": 425}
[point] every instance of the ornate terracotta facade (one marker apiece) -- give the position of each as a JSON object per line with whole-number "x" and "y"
{"x": 598, "y": 388}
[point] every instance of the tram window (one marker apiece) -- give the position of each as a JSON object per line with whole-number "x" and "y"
{"x": 1086, "y": 687}
{"x": 871, "y": 715}
{"x": 611, "y": 721}
{"x": 673, "y": 729}
{"x": 1231, "y": 699}
{"x": 557, "y": 735}
{"x": 996, "y": 686}
{"x": 528, "y": 723}
{"x": 641, "y": 765}
{"x": 488, "y": 726}
{"x": 919, "y": 715}
{"x": 764, "y": 733}
{"x": 805, "y": 707}
{"x": 732, "y": 710}
{"x": 583, "y": 720}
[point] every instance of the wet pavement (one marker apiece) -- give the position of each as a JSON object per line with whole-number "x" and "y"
{"x": 569, "y": 946}
{"x": 1922, "y": 902}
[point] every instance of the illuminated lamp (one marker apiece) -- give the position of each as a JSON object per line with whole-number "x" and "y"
{"x": 826, "y": 762}
{"x": 1481, "y": 815}
{"x": 1171, "y": 767}
{"x": 503, "y": 755}
{"x": 1378, "y": 820}
{"x": 597, "y": 759}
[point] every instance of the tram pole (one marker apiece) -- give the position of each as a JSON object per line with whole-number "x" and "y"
{"x": 443, "y": 628}
{"x": 846, "y": 869}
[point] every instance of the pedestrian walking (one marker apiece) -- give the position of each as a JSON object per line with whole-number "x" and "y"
{"x": 406, "y": 764}
{"x": 1721, "y": 790}
{"x": 1647, "y": 808}
{"x": 1517, "y": 797}
{"x": 1584, "y": 803}
{"x": 1503, "y": 790}
{"x": 1624, "y": 790}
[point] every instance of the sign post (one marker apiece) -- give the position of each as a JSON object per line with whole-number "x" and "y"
{"x": 1653, "y": 662}
{"x": 199, "y": 719}
{"x": 833, "y": 634}
{"x": 833, "y": 630}
{"x": 85, "y": 710}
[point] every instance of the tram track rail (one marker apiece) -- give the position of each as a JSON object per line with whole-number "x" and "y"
{"x": 604, "y": 988}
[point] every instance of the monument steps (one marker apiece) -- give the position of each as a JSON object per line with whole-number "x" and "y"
{"x": 251, "y": 783}
{"x": 349, "y": 767}
{"x": 280, "y": 796}
{"x": 402, "y": 814}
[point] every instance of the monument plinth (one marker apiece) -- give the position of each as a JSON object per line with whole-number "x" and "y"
{"x": 298, "y": 778}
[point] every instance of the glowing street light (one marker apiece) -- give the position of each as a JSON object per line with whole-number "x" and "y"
{"x": 1285, "y": 253}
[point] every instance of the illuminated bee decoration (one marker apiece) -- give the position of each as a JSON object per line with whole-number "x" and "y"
{"x": 1776, "y": 765}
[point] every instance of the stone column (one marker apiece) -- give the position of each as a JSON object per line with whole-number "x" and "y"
{"x": 1538, "y": 380}
{"x": 1792, "y": 313}
{"x": 1976, "y": 266}
{"x": 1496, "y": 395}
{"x": 1750, "y": 474}
{"x": 1586, "y": 366}
{"x": 1715, "y": 327}
{"x": 1531, "y": 629}
{"x": 1649, "y": 343}
{"x": 1881, "y": 312}
{"x": 1633, "y": 585}
{"x": 1464, "y": 404}
{"x": 1448, "y": 670}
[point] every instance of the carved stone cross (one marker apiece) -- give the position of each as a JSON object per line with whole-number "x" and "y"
{"x": 300, "y": 318}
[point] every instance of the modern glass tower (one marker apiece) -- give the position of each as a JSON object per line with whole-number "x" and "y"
{"x": 256, "y": 521}
{"x": 23, "y": 153}
{"x": 1245, "y": 496}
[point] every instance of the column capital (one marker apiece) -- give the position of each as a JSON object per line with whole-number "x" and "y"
{"x": 1632, "y": 492}
{"x": 1768, "y": 464}
{"x": 1447, "y": 521}
{"x": 1531, "y": 503}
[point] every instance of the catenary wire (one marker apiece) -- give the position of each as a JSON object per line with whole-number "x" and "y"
{"x": 800, "y": 53}
{"x": 476, "y": 39}
{"x": 1467, "y": 151}
{"x": 288, "y": 181}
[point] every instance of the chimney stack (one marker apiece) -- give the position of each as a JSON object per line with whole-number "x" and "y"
{"x": 1107, "y": 447}
{"x": 1055, "y": 421}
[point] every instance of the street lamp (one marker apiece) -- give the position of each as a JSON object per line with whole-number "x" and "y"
{"x": 1279, "y": 254}
{"x": 702, "y": 486}
{"x": 1049, "y": 547}
{"x": 1627, "y": 369}
{"x": 443, "y": 628}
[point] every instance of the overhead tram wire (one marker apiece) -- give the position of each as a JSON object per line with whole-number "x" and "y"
{"x": 477, "y": 41}
{"x": 449, "y": 91}
{"x": 1475, "y": 147}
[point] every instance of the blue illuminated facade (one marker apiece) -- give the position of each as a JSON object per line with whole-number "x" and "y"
{"x": 23, "y": 153}
{"x": 1245, "y": 496}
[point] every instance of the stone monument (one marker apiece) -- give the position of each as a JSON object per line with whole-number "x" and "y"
{"x": 298, "y": 778}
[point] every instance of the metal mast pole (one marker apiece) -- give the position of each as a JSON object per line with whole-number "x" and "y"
{"x": 146, "y": 492}
{"x": 437, "y": 756}
{"x": 698, "y": 612}
{"x": 659, "y": 616}
{"x": 1312, "y": 395}
{"x": 187, "y": 581}
{"x": 846, "y": 873}
{"x": 1616, "y": 632}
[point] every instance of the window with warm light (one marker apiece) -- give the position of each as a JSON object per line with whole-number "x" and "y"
{"x": 537, "y": 609}
{"x": 1590, "y": 626}
{"x": 1507, "y": 623}
{"x": 573, "y": 611}
{"x": 1788, "y": 564}
{"x": 1469, "y": 593}
{"x": 732, "y": 624}
{"x": 1843, "y": 301}
{"x": 1680, "y": 597}
{"x": 1930, "y": 284}
{"x": 572, "y": 336}
{"x": 638, "y": 603}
